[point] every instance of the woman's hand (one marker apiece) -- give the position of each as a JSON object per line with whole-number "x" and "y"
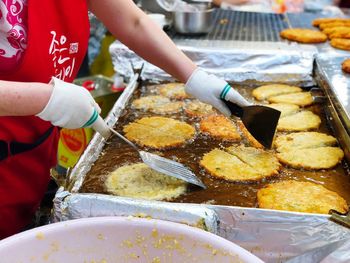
{"x": 212, "y": 90}
{"x": 70, "y": 106}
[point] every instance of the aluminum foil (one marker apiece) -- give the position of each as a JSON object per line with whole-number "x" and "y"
{"x": 271, "y": 235}
{"x": 72, "y": 206}
{"x": 274, "y": 236}
{"x": 235, "y": 61}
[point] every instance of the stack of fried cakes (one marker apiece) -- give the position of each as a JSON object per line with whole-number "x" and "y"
{"x": 336, "y": 29}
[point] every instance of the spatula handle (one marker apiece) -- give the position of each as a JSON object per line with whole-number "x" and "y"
{"x": 234, "y": 108}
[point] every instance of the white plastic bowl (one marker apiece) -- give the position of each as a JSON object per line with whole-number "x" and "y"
{"x": 120, "y": 239}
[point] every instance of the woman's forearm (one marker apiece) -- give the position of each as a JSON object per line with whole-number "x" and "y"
{"x": 136, "y": 30}
{"x": 23, "y": 98}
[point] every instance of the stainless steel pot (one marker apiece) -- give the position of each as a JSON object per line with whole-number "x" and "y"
{"x": 194, "y": 22}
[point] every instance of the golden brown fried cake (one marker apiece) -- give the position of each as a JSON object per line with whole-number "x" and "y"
{"x": 340, "y": 43}
{"x": 173, "y": 91}
{"x": 341, "y": 34}
{"x": 220, "y": 127}
{"x": 312, "y": 158}
{"x": 222, "y": 164}
{"x": 346, "y": 65}
{"x": 323, "y": 26}
{"x": 284, "y": 108}
{"x": 304, "y": 35}
{"x": 157, "y": 104}
{"x": 302, "y": 140}
{"x": 140, "y": 181}
{"x": 198, "y": 109}
{"x": 300, "y": 98}
{"x": 300, "y": 197}
{"x": 318, "y": 21}
{"x": 159, "y": 132}
{"x": 264, "y": 162}
{"x": 266, "y": 91}
{"x": 250, "y": 138}
{"x": 331, "y": 30}
{"x": 301, "y": 121}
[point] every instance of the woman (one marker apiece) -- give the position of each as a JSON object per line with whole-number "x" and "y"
{"x": 42, "y": 44}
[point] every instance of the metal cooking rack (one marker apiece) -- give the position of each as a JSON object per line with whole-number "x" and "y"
{"x": 231, "y": 25}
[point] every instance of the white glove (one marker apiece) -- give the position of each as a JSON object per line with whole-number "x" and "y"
{"x": 210, "y": 89}
{"x": 70, "y": 106}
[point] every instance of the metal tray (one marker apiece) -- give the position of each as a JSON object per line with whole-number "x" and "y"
{"x": 272, "y": 235}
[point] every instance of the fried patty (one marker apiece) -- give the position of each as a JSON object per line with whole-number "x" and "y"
{"x": 240, "y": 164}
{"x": 220, "y": 127}
{"x": 323, "y": 26}
{"x": 159, "y": 132}
{"x": 302, "y": 140}
{"x": 301, "y": 121}
{"x": 157, "y": 104}
{"x": 173, "y": 91}
{"x": 312, "y": 158}
{"x": 300, "y": 98}
{"x": 346, "y": 65}
{"x": 266, "y": 91}
{"x": 340, "y": 43}
{"x": 198, "y": 109}
{"x": 331, "y": 30}
{"x": 284, "y": 108}
{"x": 300, "y": 197}
{"x": 340, "y": 34}
{"x": 303, "y": 35}
{"x": 264, "y": 162}
{"x": 140, "y": 181}
{"x": 318, "y": 21}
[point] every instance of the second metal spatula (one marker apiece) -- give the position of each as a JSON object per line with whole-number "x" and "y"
{"x": 260, "y": 121}
{"x": 164, "y": 165}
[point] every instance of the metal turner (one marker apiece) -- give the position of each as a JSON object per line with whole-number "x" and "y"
{"x": 164, "y": 165}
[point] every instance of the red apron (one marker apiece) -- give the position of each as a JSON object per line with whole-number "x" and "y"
{"x": 58, "y": 32}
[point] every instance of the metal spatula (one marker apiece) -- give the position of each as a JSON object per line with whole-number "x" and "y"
{"x": 164, "y": 165}
{"x": 260, "y": 121}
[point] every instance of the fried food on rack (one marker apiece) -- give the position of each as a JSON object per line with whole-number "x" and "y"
{"x": 323, "y": 26}
{"x": 220, "y": 127}
{"x": 140, "y": 181}
{"x": 157, "y": 104}
{"x": 284, "y": 108}
{"x": 340, "y": 34}
{"x": 300, "y": 197}
{"x": 266, "y": 91}
{"x": 198, "y": 109}
{"x": 318, "y": 21}
{"x": 331, "y": 30}
{"x": 303, "y": 140}
{"x": 159, "y": 132}
{"x": 346, "y": 65}
{"x": 340, "y": 43}
{"x": 301, "y": 121}
{"x": 300, "y": 98}
{"x": 312, "y": 158}
{"x": 250, "y": 138}
{"x": 303, "y": 35}
{"x": 173, "y": 91}
{"x": 240, "y": 164}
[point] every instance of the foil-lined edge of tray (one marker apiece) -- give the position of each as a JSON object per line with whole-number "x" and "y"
{"x": 336, "y": 84}
{"x": 77, "y": 175}
{"x": 330, "y": 67}
{"x": 274, "y": 236}
{"x": 235, "y": 61}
